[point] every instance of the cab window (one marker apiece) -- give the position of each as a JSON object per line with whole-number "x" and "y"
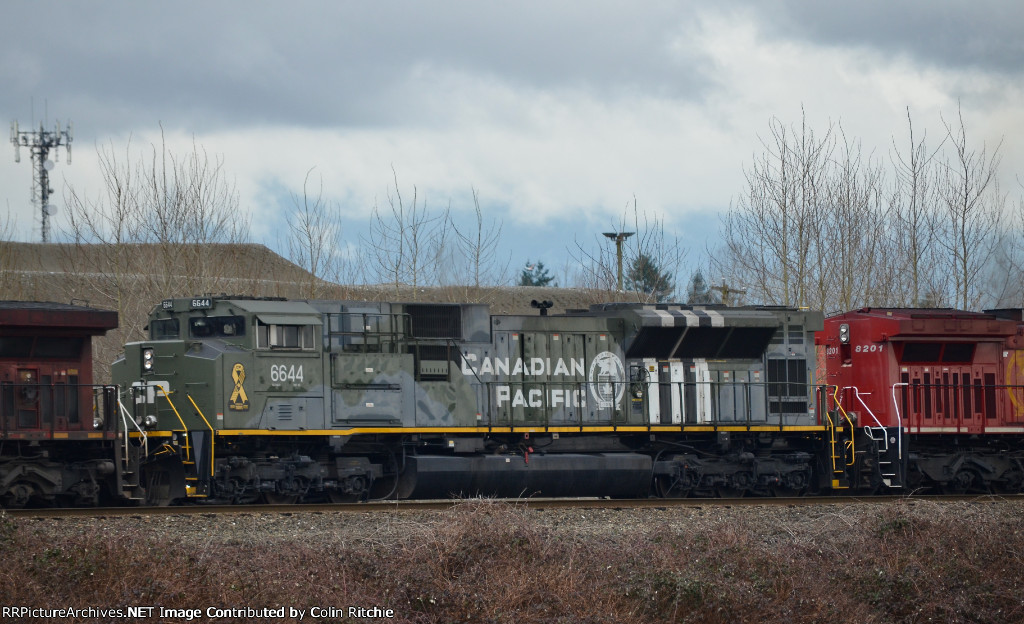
{"x": 163, "y": 329}
{"x": 284, "y": 336}
{"x": 216, "y": 326}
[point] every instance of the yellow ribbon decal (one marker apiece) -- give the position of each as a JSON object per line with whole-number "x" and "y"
{"x": 238, "y": 399}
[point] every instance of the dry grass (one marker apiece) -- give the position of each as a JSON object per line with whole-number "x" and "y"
{"x": 489, "y": 562}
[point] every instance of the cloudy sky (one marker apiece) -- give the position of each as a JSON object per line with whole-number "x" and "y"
{"x": 559, "y": 114}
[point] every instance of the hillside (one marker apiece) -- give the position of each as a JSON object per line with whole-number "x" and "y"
{"x": 132, "y": 278}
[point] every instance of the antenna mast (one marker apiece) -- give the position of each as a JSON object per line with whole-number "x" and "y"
{"x": 41, "y": 142}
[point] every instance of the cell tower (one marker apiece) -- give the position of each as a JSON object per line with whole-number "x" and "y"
{"x": 41, "y": 142}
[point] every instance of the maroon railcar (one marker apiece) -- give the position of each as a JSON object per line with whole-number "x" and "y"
{"x": 939, "y": 387}
{"x": 58, "y": 430}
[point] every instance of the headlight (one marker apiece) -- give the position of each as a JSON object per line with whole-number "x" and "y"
{"x": 149, "y": 421}
{"x": 844, "y": 333}
{"x": 97, "y": 422}
{"x": 147, "y": 360}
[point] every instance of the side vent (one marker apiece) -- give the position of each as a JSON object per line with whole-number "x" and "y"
{"x": 435, "y": 320}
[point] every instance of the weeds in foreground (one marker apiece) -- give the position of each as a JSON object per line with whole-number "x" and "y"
{"x": 492, "y": 562}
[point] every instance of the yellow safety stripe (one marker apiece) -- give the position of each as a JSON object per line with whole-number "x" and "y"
{"x": 463, "y": 430}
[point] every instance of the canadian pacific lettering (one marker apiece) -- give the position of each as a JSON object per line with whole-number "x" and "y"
{"x": 534, "y": 367}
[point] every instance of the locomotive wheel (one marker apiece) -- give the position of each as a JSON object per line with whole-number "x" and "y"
{"x": 273, "y": 498}
{"x": 341, "y": 497}
{"x": 1010, "y": 483}
{"x": 729, "y": 492}
{"x": 353, "y": 489}
{"x": 666, "y": 487}
{"x": 18, "y": 495}
{"x": 964, "y": 482}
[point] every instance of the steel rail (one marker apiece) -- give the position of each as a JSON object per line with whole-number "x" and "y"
{"x": 413, "y": 506}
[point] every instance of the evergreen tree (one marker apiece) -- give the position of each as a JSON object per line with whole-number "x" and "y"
{"x": 699, "y": 292}
{"x": 646, "y": 276}
{"x": 535, "y": 275}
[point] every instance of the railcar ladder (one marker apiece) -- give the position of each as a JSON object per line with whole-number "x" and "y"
{"x": 842, "y": 447}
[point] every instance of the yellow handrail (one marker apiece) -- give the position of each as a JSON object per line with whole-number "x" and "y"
{"x": 853, "y": 454}
{"x": 184, "y": 428}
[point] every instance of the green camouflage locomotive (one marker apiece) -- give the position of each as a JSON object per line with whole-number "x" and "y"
{"x": 246, "y": 399}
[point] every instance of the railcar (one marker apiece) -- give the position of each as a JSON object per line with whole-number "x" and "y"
{"x": 60, "y": 435}
{"x": 936, "y": 393}
{"x": 246, "y": 399}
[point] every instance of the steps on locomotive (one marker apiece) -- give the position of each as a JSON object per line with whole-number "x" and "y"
{"x": 887, "y": 464}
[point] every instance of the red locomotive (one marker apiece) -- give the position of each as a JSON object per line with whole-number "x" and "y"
{"x": 59, "y": 435}
{"x": 937, "y": 393}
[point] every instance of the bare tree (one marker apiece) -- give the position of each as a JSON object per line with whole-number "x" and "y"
{"x": 407, "y": 241}
{"x": 478, "y": 247}
{"x": 772, "y": 233}
{"x": 157, "y": 230}
{"x": 913, "y": 224}
{"x": 848, "y": 248}
{"x": 974, "y": 206}
{"x": 314, "y": 241}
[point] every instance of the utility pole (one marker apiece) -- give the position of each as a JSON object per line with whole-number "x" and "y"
{"x": 726, "y": 291}
{"x": 618, "y": 237}
{"x": 41, "y": 142}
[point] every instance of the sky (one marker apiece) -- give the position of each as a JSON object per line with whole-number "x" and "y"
{"x": 562, "y": 116}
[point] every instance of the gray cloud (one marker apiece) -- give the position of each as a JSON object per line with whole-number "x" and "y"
{"x": 983, "y": 35}
{"x": 206, "y": 65}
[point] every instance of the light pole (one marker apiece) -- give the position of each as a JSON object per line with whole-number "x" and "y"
{"x": 618, "y": 237}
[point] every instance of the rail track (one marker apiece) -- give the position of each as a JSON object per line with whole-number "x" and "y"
{"x": 533, "y": 503}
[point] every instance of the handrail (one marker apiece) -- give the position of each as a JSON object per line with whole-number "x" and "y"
{"x": 184, "y": 427}
{"x": 126, "y": 417}
{"x": 842, "y": 410}
{"x": 856, "y": 394}
{"x": 739, "y": 410}
{"x": 899, "y": 418}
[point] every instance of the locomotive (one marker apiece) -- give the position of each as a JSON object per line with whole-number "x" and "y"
{"x": 61, "y": 437}
{"x": 235, "y": 399}
{"x": 939, "y": 391}
{"x": 243, "y": 399}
